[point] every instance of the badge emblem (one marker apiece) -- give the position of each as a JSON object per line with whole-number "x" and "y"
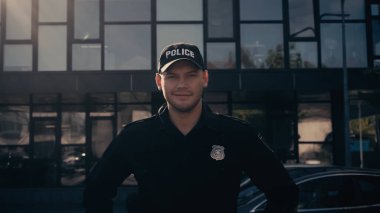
{"x": 217, "y": 152}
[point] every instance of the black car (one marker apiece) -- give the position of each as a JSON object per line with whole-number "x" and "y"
{"x": 323, "y": 189}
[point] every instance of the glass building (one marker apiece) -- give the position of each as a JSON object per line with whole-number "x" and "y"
{"x": 74, "y": 72}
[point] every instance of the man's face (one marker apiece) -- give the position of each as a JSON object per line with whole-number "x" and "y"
{"x": 182, "y": 85}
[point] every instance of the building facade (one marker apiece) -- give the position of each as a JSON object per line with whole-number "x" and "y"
{"x": 74, "y": 72}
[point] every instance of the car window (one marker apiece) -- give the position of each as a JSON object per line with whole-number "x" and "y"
{"x": 369, "y": 187}
{"x": 326, "y": 192}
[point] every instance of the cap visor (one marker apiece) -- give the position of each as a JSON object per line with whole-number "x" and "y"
{"x": 166, "y": 66}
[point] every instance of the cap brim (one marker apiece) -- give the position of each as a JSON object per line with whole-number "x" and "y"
{"x": 166, "y": 66}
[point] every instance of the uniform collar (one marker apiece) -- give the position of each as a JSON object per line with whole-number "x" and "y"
{"x": 208, "y": 118}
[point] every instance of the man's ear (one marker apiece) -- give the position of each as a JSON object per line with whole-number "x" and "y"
{"x": 205, "y": 78}
{"x": 158, "y": 81}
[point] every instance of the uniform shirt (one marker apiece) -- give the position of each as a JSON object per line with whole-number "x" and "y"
{"x": 197, "y": 172}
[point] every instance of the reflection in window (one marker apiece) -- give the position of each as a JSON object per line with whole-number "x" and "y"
{"x": 221, "y": 56}
{"x": 134, "y": 97}
{"x": 376, "y": 37}
{"x": 303, "y": 54}
{"x": 169, "y": 33}
{"x": 19, "y": 19}
{"x": 260, "y": 10}
{"x": 52, "y": 48}
{"x": 127, "y": 47}
{"x": 101, "y": 135}
{"x": 86, "y": 19}
{"x": 301, "y": 18}
{"x": 73, "y": 128}
{"x": 315, "y": 133}
{"x": 262, "y": 46}
{"x": 44, "y": 139}
{"x": 129, "y": 113}
{"x": 331, "y": 45}
{"x": 179, "y": 10}
{"x": 18, "y": 57}
{"x": 220, "y": 19}
{"x": 73, "y": 165}
{"x": 375, "y": 10}
{"x": 127, "y": 10}
{"x": 52, "y": 10}
{"x": 86, "y": 56}
{"x": 354, "y": 8}
{"x": 363, "y": 124}
{"x": 356, "y": 44}
{"x": 14, "y": 125}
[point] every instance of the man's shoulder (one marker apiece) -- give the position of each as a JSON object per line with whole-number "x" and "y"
{"x": 141, "y": 125}
{"x": 231, "y": 121}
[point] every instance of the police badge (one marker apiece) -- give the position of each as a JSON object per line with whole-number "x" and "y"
{"x": 217, "y": 152}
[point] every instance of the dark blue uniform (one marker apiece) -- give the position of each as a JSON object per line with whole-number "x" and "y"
{"x": 197, "y": 172}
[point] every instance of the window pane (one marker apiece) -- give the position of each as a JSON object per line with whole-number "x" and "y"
{"x": 73, "y": 128}
{"x": 19, "y": 19}
{"x": 301, "y": 18}
{"x": 331, "y": 45}
{"x": 52, "y": 10}
{"x": 376, "y": 37}
{"x": 170, "y": 33}
{"x": 127, "y": 10}
{"x": 14, "y": 125}
{"x": 18, "y": 57}
{"x": 303, "y": 54}
{"x": 375, "y": 9}
{"x": 129, "y": 113}
{"x": 86, "y": 19}
{"x": 52, "y": 48}
{"x": 221, "y": 56}
{"x": 179, "y": 10}
{"x": 86, "y": 56}
{"x": 127, "y": 47}
{"x": 260, "y": 10}
{"x": 355, "y": 9}
{"x": 314, "y": 122}
{"x": 356, "y": 44}
{"x": 262, "y": 46}
{"x": 44, "y": 139}
{"x": 73, "y": 165}
{"x": 315, "y": 153}
{"x": 220, "y": 19}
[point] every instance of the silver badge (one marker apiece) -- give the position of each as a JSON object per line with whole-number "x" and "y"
{"x": 217, "y": 152}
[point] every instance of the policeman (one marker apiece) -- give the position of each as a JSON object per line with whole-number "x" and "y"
{"x": 186, "y": 158}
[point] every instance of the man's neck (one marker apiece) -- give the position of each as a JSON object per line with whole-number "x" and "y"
{"x": 185, "y": 121}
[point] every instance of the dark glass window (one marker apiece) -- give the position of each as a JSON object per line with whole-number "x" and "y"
{"x": 19, "y": 19}
{"x": 127, "y": 10}
{"x": 303, "y": 55}
{"x": 86, "y": 56}
{"x": 220, "y": 19}
{"x": 52, "y": 10}
{"x": 254, "y": 10}
{"x": 262, "y": 46}
{"x": 52, "y": 47}
{"x": 331, "y": 45}
{"x": 301, "y": 18}
{"x": 179, "y": 10}
{"x": 221, "y": 56}
{"x": 127, "y": 47}
{"x": 86, "y": 19}
{"x": 18, "y": 57}
{"x": 376, "y": 37}
{"x": 354, "y": 8}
